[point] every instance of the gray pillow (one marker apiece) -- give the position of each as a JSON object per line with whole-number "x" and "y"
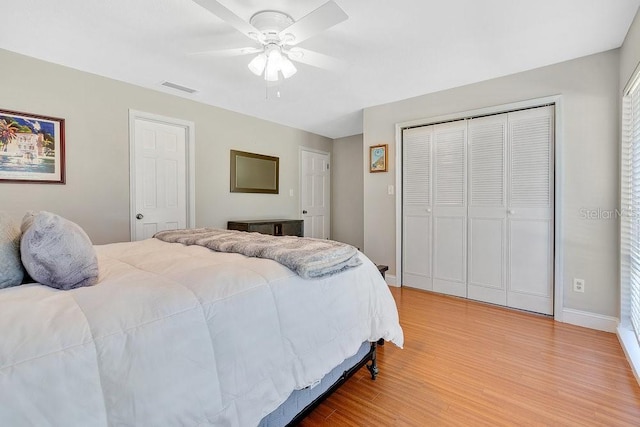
{"x": 11, "y": 271}
{"x": 57, "y": 252}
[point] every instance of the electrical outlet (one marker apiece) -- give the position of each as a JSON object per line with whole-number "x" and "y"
{"x": 578, "y": 285}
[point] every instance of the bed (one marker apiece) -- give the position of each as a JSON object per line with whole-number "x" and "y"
{"x": 183, "y": 335}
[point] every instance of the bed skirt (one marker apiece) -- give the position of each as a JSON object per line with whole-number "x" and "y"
{"x": 301, "y": 402}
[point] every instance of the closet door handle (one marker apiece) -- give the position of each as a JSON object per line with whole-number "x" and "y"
{"x": 511, "y": 211}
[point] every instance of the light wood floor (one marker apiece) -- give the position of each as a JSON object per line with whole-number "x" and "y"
{"x": 470, "y": 364}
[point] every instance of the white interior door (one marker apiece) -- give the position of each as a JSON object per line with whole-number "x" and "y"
{"x": 315, "y": 193}
{"x": 159, "y": 177}
{"x": 487, "y": 148}
{"x": 417, "y": 207}
{"x": 450, "y": 209}
{"x": 530, "y": 210}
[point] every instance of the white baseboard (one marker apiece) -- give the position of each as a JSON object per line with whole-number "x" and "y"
{"x": 391, "y": 280}
{"x": 590, "y": 320}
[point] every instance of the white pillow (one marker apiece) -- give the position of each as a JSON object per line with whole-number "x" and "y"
{"x": 11, "y": 272}
{"x": 57, "y": 252}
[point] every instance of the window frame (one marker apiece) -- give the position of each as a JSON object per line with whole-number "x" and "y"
{"x": 629, "y": 210}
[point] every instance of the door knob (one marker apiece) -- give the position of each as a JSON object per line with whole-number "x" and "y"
{"x": 304, "y": 212}
{"x": 139, "y": 216}
{"x": 511, "y": 211}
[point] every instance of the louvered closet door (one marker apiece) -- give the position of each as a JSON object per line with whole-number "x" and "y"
{"x": 416, "y": 207}
{"x": 530, "y": 210}
{"x": 487, "y": 142}
{"x": 450, "y": 210}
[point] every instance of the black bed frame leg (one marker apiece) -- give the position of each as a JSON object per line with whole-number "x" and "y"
{"x": 373, "y": 367}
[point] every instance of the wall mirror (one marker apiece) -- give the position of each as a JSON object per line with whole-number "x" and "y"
{"x": 254, "y": 173}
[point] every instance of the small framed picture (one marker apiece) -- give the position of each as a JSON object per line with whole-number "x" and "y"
{"x": 31, "y": 148}
{"x": 378, "y": 158}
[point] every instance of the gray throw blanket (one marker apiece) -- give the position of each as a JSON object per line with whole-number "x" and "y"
{"x": 309, "y": 258}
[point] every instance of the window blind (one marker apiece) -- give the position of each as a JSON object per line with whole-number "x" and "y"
{"x": 630, "y": 206}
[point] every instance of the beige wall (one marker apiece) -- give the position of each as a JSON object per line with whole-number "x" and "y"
{"x": 346, "y": 191}
{"x": 96, "y": 109}
{"x": 630, "y": 52}
{"x": 587, "y": 172}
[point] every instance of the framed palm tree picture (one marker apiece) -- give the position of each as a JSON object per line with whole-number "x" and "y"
{"x": 31, "y": 148}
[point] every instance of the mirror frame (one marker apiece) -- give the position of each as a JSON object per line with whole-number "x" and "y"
{"x": 235, "y": 188}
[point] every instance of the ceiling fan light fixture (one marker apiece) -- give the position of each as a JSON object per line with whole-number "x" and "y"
{"x": 257, "y": 64}
{"x": 274, "y": 64}
{"x": 274, "y": 57}
{"x": 271, "y": 63}
{"x": 287, "y": 68}
{"x": 271, "y": 74}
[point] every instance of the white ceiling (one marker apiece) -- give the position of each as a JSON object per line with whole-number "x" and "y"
{"x": 389, "y": 50}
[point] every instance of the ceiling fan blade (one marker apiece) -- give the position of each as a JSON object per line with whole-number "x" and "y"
{"x": 229, "y": 17}
{"x": 226, "y": 53}
{"x": 326, "y": 16}
{"x": 315, "y": 59}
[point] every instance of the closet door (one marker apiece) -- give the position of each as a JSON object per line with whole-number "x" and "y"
{"x": 530, "y": 210}
{"x": 487, "y": 143}
{"x": 450, "y": 209}
{"x": 416, "y": 207}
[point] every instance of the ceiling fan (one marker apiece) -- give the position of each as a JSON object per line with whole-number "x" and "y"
{"x": 278, "y": 36}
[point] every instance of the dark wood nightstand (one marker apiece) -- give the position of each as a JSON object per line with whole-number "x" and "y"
{"x": 382, "y": 269}
{"x": 274, "y": 227}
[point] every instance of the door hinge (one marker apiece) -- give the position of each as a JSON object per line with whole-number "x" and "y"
{"x": 327, "y": 166}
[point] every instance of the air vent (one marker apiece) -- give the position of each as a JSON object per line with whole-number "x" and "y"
{"x": 178, "y": 87}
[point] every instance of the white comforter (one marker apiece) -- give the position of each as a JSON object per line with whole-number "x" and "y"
{"x": 180, "y": 336}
